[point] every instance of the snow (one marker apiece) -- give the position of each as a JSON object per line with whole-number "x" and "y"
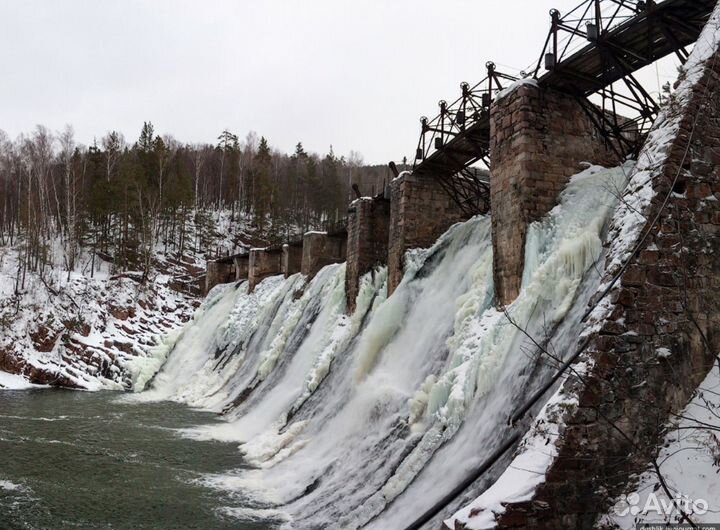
{"x": 387, "y": 405}
{"x": 536, "y": 453}
{"x": 689, "y": 463}
{"x": 14, "y": 382}
{"x": 559, "y": 250}
{"x": 92, "y": 332}
{"x": 363, "y": 419}
{"x": 360, "y": 199}
{"x": 663, "y": 353}
{"x": 401, "y": 175}
{"x": 513, "y": 87}
{"x": 105, "y": 329}
{"x": 631, "y": 215}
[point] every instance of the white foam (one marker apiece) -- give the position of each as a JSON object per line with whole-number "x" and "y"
{"x": 343, "y": 415}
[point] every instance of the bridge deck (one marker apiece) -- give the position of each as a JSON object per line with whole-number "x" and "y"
{"x": 460, "y": 152}
{"x": 636, "y": 43}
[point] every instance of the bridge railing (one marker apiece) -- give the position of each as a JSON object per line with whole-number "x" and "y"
{"x": 455, "y": 118}
{"x": 568, "y": 34}
{"x": 591, "y": 55}
{"x": 586, "y": 22}
{"x": 623, "y": 113}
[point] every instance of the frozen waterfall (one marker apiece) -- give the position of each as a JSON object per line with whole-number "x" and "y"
{"x": 366, "y": 420}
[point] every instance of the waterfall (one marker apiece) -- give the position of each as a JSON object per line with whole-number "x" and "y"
{"x": 366, "y": 420}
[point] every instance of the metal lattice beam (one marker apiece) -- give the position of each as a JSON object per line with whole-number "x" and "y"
{"x": 590, "y": 49}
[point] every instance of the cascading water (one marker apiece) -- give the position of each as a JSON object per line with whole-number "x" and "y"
{"x": 365, "y": 420}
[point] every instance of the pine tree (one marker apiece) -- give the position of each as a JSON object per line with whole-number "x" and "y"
{"x": 299, "y": 174}
{"x": 263, "y": 183}
{"x": 145, "y": 142}
{"x": 228, "y": 145}
{"x": 332, "y": 197}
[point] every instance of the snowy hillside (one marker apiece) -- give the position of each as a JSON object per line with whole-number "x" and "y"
{"x": 83, "y": 332}
{"x": 95, "y": 328}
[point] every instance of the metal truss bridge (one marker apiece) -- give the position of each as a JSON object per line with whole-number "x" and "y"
{"x": 591, "y": 51}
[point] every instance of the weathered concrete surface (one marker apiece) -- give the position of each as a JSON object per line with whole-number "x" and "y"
{"x": 538, "y": 139}
{"x": 420, "y": 212}
{"x": 242, "y": 266}
{"x": 221, "y": 271}
{"x": 321, "y": 249}
{"x": 660, "y": 329}
{"x": 264, "y": 262}
{"x": 367, "y": 246}
{"x": 292, "y": 258}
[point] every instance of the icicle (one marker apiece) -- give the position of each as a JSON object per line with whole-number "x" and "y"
{"x": 343, "y": 414}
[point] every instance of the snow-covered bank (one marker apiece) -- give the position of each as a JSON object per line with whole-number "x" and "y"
{"x": 14, "y": 382}
{"x": 689, "y": 462}
{"x": 368, "y": 419}
{"x": 82, "y": 332}
{"x": 96, "y": 328}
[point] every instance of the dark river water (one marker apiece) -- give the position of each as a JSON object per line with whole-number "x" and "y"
{"x": 94, "y": 461}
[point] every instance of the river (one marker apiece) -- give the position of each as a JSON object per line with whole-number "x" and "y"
{"x": 98, "y": 461}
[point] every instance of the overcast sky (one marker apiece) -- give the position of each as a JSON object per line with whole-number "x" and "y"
{"x": 356, "y": 74}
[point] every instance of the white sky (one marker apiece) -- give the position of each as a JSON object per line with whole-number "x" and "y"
{"x": 355, "y": 74}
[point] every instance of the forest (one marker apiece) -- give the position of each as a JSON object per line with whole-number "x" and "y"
{"x": 122, "y": 202}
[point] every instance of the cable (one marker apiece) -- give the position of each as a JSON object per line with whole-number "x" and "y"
{"x": 447, "y": 499}
{"x": 465, "y": 484}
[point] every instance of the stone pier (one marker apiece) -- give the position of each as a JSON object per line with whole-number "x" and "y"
{"x": 320, "y": 249}
{"x": 657, "y": 334}
{"x": 367, "y": 246}
{"x": 292, "y": 258}
{"x": 219, "y": 271}
{"x": 538, "y": 140}
{"x": 242, "y": 266}
{"x": 420, "y": 212}
{"x": 264, "y": 262}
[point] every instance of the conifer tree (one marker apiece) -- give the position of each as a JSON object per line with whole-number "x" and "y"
{"x": 145, "y": 142}
{"x": 228, "y": 146}
{"x": 263, "y": 183}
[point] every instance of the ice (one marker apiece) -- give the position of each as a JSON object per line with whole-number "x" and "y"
{"x": 367, "y": 419}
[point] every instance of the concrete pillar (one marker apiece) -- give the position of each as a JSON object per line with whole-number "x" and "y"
{"x": 538, "y": 139}
{"x": 321, "y": 249}
{"x": 420, "y": 212}
{"x": 367, "y": 246}
{"x": 264, "y": 262}
{"x": 219, "y": 271}
{"x": 242, "y": 266}
{"x": 292, "y": 258}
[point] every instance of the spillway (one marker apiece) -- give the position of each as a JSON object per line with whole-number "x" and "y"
{"x": 364, "y": 421}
